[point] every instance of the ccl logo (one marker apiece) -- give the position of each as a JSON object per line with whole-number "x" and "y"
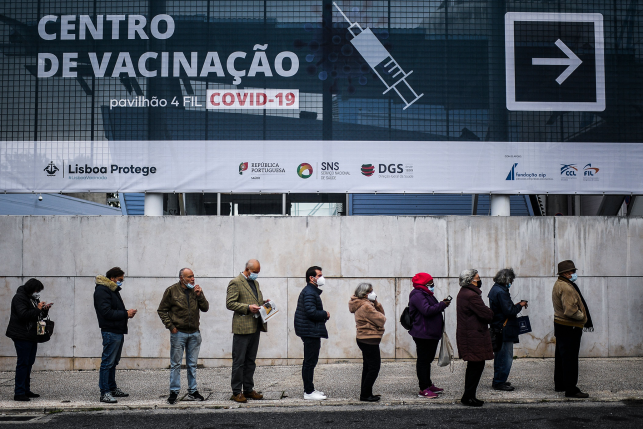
{"x": 568, "y": 169}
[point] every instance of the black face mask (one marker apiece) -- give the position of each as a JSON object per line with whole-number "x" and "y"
{"x": 480, "y": 284}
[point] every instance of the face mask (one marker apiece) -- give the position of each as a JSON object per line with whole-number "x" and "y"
{"x": 253, "y": 276}
{"x": 321, "y": 281}
{"x": 431, "y": 288}
{"x": 119, "y": 284}
{"x": 509, "y": 285}
{"x": 189, "y": 285}
{"x": 480, "y": 284}
{"x": 372, "y": 296}
{"x": 35, "y": 296}
{"x": 574, "y": 277}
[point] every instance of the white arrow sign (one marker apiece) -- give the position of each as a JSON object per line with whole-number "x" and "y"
{"x": 572, "y": 61}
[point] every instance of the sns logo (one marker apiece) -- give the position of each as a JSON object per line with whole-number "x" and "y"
{"x": 590, "y": 171}
{"x": 568, "y": 169}
{"x": 305, "y": 170}
{"x": 243, "y": 167}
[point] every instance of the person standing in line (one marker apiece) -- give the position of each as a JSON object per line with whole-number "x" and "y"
{"x": 370, "y": 320}
{"x": 472, "y": 333}
{"x": 179, "y": 311}
{"x": 310, "y": 326}
{"x": 571, "y": 318}
{"x": 244, "y": 297}
{"x": 505, "y": 322}
{"x": 428, "y": 324}
{"x": 112, "y": 320}
{"x": 26, "y": 311}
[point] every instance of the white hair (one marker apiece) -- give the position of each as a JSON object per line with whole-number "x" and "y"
{"x": 362, "y": 289}
{"x": 466, "y": 276}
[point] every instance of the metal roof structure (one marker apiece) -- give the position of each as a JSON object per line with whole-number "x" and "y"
{"x": 52, "y": 204}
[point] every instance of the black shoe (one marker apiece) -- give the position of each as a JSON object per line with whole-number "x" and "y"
{"x": 479, "y": 401}
{"x": 22, "y": 398}
{"x": 196, "y": 396}
{"x": 579, "y": 395}
{"x": 471, "y": 402}
{"x": 118, "y": 393}
{"x": 32, "y": 395}
{"x": 173, "y": 397}
{"x": 504, "y": 387}
{"x": 371, "y": 398}
{"x": 507, "y": 383}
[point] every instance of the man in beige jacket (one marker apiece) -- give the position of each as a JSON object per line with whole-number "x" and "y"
{"x": 571, "y": 316}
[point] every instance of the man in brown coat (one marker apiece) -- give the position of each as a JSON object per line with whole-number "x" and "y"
{"x": 571, "y": 316}
{"x": 472, "y": 333}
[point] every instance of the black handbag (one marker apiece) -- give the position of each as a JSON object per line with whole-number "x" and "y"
{"x": 405, "y": 319}
{"x": 43, "y": 329}
{"x": 497, "y": 337}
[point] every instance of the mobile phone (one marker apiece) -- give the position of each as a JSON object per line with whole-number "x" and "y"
{"x": 449, "y": 298}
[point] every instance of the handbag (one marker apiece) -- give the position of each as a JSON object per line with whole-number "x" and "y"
{"x": 524, "y": 325}
{"x": 44, "y": 328}
{"x": 446, "y": 351}
{"x": 497, "y": 337}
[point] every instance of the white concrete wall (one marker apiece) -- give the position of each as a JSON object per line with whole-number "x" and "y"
{"x": 65, "y": 253}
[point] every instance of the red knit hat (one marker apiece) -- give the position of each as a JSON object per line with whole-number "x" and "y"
{"x": 422, "y": 279}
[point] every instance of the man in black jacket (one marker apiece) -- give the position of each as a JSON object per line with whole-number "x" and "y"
{"x": 310, "y": 326}
{"x": 112, "y": 319}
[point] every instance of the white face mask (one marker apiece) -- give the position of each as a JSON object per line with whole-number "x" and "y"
{"x": 321, "y": 281}
{"x": 35, "y": 296}
{"x": 372, "y": 296}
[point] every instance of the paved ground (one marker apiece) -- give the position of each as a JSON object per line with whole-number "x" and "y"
{"x": 608, "y": 380}
{"x": 625, "y": 415}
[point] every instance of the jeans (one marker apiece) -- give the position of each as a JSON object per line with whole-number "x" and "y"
{"x": 311, "y": 356}
{"x": 371, "y": 367}
{"x": 426, "y": 353}
{"x": 244, "y": 353}
{"x": 112, "y": 348}
{"x": 26, "y": 356}
{"x": 472, "y": 378}
{"x": 502, "y": 361}
{"x": 566, "y": 362}
{"x": 191, "y": 344}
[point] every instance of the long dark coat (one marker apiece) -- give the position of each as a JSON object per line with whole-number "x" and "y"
{"x": 472, "y": 333}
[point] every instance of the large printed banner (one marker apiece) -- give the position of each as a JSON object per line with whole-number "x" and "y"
{"x": 322, "y": 166}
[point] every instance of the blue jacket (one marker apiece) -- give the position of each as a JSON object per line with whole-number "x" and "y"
{"x": 310, "y": 317}
{"x": 504, "y": 308}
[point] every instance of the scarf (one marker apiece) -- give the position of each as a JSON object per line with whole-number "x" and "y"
{"x": 589, "y": 326}
{"x": 423, "y": 287}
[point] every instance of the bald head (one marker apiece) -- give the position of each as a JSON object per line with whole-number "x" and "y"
{"x": 252, "y": 266}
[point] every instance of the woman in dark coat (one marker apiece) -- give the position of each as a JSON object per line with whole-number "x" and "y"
{"x": 472, "y": 333}
{"x": 26, "y": 310}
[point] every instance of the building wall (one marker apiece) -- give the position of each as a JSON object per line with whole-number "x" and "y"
{"x": 65, "y": 253}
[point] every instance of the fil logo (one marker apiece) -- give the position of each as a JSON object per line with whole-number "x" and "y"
{"x": 590, "y": 171}
{"x": 568, "y": 170}
{"x": 305, "y": 170}
{"x": 51, "y": 169}
{"x": 243, "y": 167}
{"x": 512, "y": 172}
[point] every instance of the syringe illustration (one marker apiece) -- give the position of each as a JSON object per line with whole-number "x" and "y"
{"x": 369, "y": 46}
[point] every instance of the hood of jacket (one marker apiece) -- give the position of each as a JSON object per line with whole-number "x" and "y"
{"x": 356, "y": 303}
{"x": 23, "y": 291}
{"x": 104, "y": 281}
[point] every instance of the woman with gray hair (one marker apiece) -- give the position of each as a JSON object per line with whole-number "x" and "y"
{"x": 472, "y": 333}
{"x": 505, "y": 325}
{"x": 370, "y": 320}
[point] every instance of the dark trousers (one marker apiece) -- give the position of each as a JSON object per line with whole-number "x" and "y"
{"x": 311, "y": 356}
{"x": 244, "y": 353}
{"x": 472, "y": 378}
{"x": 26, "y": 353}
{"x": 112, "y": 350}
{"x": 566, "y": 363}
{"x": 372, "y": 362}
{"x": 426, "y": 353}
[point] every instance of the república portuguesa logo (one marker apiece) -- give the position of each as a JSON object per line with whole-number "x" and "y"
{"x": 368, "y": 170}
{"x": 305, "y": 170}
{"x": 243, "y": 167}
{"x": 51, "y": 169}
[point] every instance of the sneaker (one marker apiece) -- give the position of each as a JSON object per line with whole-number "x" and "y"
{"x": 433, "y": 388}
{"x": 32, "y": 395}
{"x": 118, "y": 393}
{"x": 173, "y": 397}
{"x": 315, "y": 396}
{"x": 108, "y": 398}
{"x": 320, "y": 392}
{"x": 195, "y": 396}
{"x": 427, "y": 394}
